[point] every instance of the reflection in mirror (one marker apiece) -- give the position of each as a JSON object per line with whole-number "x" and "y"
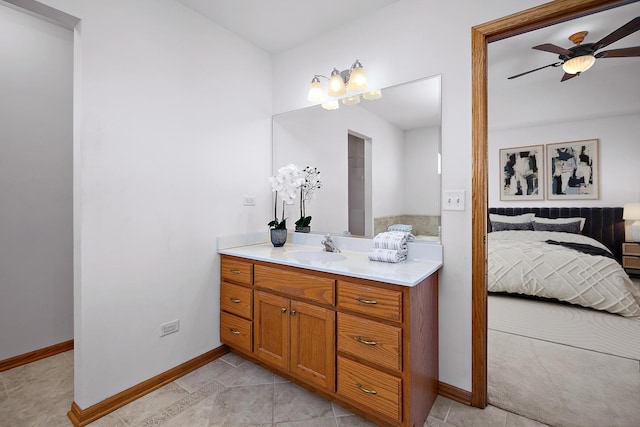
{"x": 379, "y": 161}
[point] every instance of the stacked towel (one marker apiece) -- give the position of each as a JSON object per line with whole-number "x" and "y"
{"x": 390, "y": 246}
{"x": 400, "y": 227}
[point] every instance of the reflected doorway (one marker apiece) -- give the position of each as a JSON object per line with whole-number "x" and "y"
{"x": 359, "y": 185}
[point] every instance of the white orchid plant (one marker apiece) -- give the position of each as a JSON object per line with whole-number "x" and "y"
{"x": 307, "y": 192}
{"x": 286, "y": 182}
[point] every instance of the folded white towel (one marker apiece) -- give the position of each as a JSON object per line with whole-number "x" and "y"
{"x": 391, "y": 240}
{"x": 386, "y": 255}
{"x": 400, "y": 227}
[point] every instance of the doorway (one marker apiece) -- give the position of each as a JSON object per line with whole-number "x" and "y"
{"x": 359, "y": 185}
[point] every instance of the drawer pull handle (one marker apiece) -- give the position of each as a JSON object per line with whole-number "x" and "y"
{"x": 234, "y": 300}
{"x": 283, "y": 310}
{"x": 235, "y": 271}
{"x": 234, "y": 331}
{"x": 366, "y": 390}
{"x": 367, "y": 301}
{"x": 363, "y": 341}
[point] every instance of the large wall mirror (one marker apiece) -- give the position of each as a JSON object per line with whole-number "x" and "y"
{"x": 602, "y": 101}
{"x": 379, "y": 161}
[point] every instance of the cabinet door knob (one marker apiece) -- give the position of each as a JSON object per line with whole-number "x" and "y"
{"x": 234, "y": 331}
{"x": 283, "y": 310}
{"x": 293, "y": 312}
{"x": 366, "y": 390}
{"x": 363, "y": 341}
{"x": 235, "y": 300}
{"x": 367, "y": 301}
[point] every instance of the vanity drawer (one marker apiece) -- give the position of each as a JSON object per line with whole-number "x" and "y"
{"x": 236, "y": 271}
{"x": 631, "y": 262}
{"x": 296, "y": 284}
{"x": 631, "y": 249}
{"x": 377, "y": 391}
{"x": 369, "y": 300}
{"x": 370, "y": 341}
{"x": 236, "y": 299}
{"x": 236, "y": 332}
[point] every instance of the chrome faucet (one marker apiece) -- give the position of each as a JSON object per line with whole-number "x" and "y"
{"x": 329, "y": 246}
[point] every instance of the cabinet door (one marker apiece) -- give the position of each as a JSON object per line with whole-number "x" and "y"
{"x": 313, "y": 344}
{"x": 271, "y": 329}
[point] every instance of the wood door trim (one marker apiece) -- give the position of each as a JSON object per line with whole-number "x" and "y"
{"x": 518, "y": 23}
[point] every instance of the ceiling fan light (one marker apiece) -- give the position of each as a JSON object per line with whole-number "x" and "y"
{"x": 331, "y": 104}
{"x": 372, "y": 94}
{"x": 316, "y": 93}
{"x": 579, "y": 64}
{"x": 357, "y": 78}
{"x": 336, "y": 84}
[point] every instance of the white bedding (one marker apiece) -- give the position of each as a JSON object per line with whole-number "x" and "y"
{"x": 521, "y": 262}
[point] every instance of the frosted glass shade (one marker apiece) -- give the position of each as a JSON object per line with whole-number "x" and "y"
{"x": 578, "y": 64}
{"x": 336, "y": 84}
{"x": 372, "y": 94}
{"x": 631, "y": 211}
{"x": 357, "y": 79}
{"x": 331, "y": 105}
{"x": 351, "y": 100}
{"x": 316, "y": 93}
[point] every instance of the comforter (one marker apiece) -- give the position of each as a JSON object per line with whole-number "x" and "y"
{"x": 521, "y": 262}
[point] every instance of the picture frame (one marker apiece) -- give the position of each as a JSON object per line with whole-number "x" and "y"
{"x": 522, "y": 173}
{"x": 573, "y": 170}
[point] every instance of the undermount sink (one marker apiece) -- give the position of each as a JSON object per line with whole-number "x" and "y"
{"x": 318, "y": 255}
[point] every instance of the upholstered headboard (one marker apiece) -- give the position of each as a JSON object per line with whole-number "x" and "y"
{"x": 603, "y": 224}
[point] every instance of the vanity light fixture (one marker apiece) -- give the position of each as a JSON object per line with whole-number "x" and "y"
{"x": 354, "y": 80}
{"x": 631, "y": 212}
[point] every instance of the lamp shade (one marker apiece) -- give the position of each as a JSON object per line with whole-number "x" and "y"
{"x": 578, "y": 64}
{"x": 336, "y": 84}
{"x": 316, "y": 93}
{"x": 372, "y": 94}
{"x": 631, "y": 212}
{"x": 357, "y": 78}
{"x": 331, "y": 104}
{"x": 351, "y": 100}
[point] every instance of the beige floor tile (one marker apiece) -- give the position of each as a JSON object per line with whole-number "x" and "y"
{"x": 152, "y": 404}
{"x": 233, "y": 359}
{"x": 243, "y": 406}
{"x": 515, "y": 420}
{"x": 466, "y": 416}
{"x": 354, "y": 421}
{"x": 204, "y": 375}
{"x": 196, "y": 415}
{"x": 293, "y": 403}
{"x": 440, "y": 408}
{"x": 109, "y": 420}
{"x": 246, "y": 373}
{"x": 339, "y": 411}
{"x": 317, "y": 422}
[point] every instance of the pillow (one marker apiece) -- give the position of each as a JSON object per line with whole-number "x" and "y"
{"x": 511, "y": 222}
{"x": 563, "y": 227}
{"x": 504, "y": 226}
{"x": 561, "y": 221}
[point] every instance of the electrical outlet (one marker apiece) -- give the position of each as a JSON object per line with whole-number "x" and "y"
{"x": 249, "y": 200}
{"x": 453, "y": 200}
{"x": 169, "y": 327}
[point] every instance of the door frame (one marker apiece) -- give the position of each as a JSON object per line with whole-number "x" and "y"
{"x": 481, "y": 35}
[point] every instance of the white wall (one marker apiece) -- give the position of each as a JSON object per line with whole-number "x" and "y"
{"x": 421, "y": 181}
{"x": 36, "y": 224}
{"x": 173, "y": 128}
{"x": 618, "y": 155}
{"x": 408, "y": 40}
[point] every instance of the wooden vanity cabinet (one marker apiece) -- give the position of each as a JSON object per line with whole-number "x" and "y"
{"x": 236, "y": 303}
{"x": 371, "y": 347}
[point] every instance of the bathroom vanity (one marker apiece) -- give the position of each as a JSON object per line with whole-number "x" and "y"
{"x": 360, "y": 333}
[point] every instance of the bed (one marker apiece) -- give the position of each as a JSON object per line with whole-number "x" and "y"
{"x": 546, "y": 254}
{"x": 555, "y": 353}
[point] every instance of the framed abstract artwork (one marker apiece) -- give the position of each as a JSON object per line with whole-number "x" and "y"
{"x": 573, "y": 170}
{"x": 521, "y": 173}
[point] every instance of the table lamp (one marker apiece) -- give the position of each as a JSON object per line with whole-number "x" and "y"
{"x": 631, "y": 212}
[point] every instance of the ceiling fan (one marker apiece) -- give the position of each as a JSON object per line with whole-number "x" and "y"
{"x": 581, "y": 57}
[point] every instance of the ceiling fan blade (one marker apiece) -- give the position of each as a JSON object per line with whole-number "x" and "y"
{"x": 548, "y": 47}
{"x": 620, "y": 53}
{"x": 568, "y": 76}
{"x": 555, "y": 64}
{"x": 628, "y": 28}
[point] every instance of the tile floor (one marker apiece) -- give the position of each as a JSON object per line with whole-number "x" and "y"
{"x": 230, "y": 391}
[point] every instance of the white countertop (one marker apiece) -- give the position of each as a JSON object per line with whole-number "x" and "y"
{"x": 419, "y": 265}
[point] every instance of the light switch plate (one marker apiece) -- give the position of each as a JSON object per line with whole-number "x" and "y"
{"x": 453, "y": 200}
